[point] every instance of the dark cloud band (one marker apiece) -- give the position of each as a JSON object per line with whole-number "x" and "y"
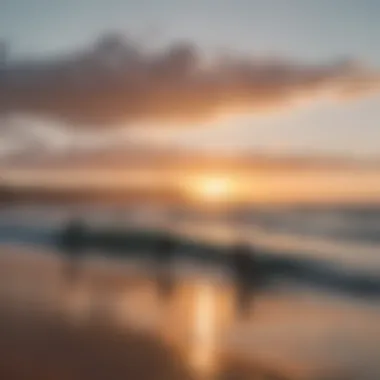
{"x": 118, "y": 81}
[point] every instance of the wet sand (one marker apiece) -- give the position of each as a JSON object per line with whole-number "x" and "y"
{"x": 57, "y": 331}
{"x": 42, "y": 348}
{"x": 111, "y": 325}
{"x": 39, "y": 347}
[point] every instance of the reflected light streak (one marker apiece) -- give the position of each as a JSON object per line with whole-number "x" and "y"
{"x": 202, "y": 355}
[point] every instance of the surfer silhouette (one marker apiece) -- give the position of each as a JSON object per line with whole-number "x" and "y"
{"x": 244, "y": 271}
{"x": 164, "y": 255}
{"x": 72, "y": 243}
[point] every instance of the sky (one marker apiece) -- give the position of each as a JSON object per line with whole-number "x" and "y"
{"x": 307, "y": 38}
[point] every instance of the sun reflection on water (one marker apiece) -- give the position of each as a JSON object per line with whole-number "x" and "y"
{"x": 203, "y": 344}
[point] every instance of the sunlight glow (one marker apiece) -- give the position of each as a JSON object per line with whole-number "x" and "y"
{"x": 213, "y": 189}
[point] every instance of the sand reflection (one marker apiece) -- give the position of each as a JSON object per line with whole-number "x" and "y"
{"x": 293, "y": 331}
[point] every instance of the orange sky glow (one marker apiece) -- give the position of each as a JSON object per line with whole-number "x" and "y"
{"x": 216, "y": 187}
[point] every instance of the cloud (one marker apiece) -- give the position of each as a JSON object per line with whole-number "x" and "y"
{"x": 31, "y": 136}
{"x": 118, "y": 81}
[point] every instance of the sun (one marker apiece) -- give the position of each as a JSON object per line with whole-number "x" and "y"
{"x": 213, "y": 189}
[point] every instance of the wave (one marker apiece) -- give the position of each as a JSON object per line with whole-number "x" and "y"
{"x": 273, "y": 266}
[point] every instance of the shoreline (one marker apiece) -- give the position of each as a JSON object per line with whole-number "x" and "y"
{"x": 290, "y": 332}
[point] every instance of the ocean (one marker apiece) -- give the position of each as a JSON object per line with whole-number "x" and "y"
{"x": 315, "y": 317}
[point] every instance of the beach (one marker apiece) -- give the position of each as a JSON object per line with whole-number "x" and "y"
{"x": 111, "y": 324}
